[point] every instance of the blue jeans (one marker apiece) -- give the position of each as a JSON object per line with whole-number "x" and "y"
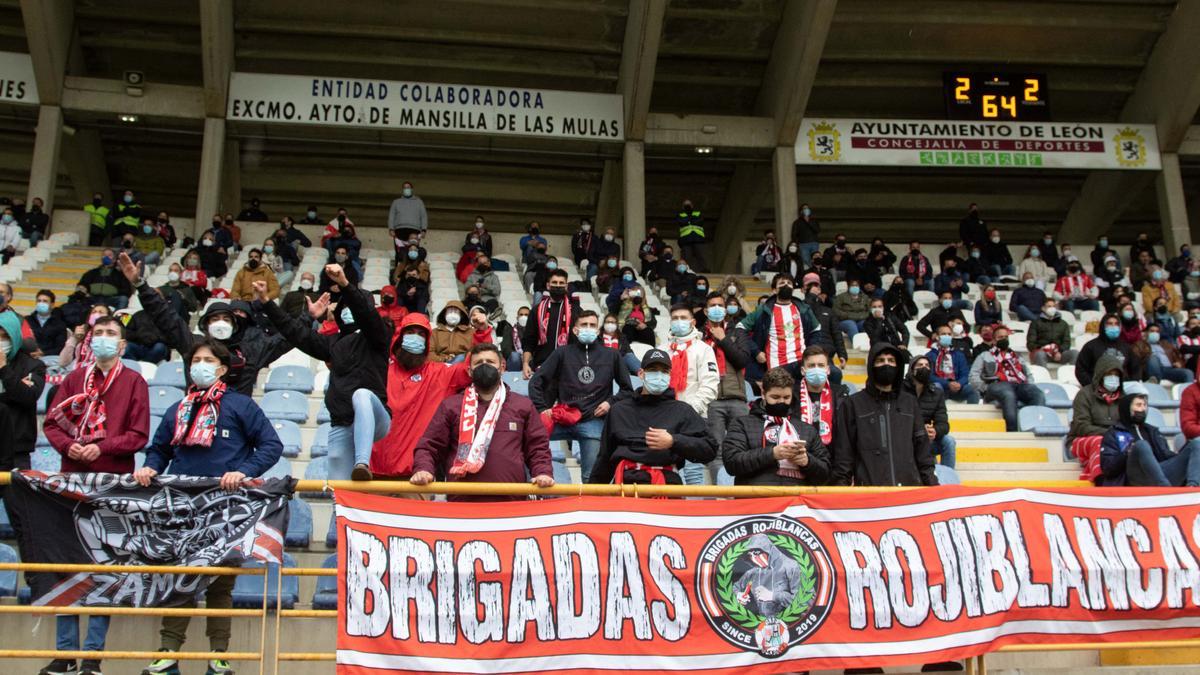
{"x": 113, "y": 301}
{"x": 807, "y": 250}
{"x": 1155, "y": 369}
{"x": 961, "y": 303}
{"x": 721, "y": 414}
{"x": 966, "y": 394}
{"x": 1006, "y": 271}
{"x": 632, "y": 364}
{"x": 1142, "y": 468}
{"x": 152, "y": 258}
{"x": 1026, "y": 314}
{"x": 587, "y": 435}
{"x": 513, "y": 364}
{"x": 850, "y": 327}
{"x": 351, "y": 444}
{"x": 1011, "y": 396}
{"x": 911, "y": 285}
{"x": 155, "y": 353}
{"x": 66, "y": 632}
{"x": 1072, "y": 305}
{"x": 945, "y": 448}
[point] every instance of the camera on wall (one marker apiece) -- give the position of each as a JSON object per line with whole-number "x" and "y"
{"x": 134, "y": 81}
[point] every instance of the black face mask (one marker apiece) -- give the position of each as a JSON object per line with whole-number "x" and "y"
{"x": 485, "y": 376}
{"x": 668, "y": 256}
{"x": 1138, "y": 417}
{"x": 921, "y": 375}
{"x": 885, "y": 375}
{"x": 482, "y": 268}
{"x": 784, "y": 292}
{"x": 558, "y": 293}
{"x": 387, "y": 300}
{"x": 127, "y": 244}
{"x": 253, "y": 264}
{"x": 1002, "y": 344}
{"x": 97, "y": 201}
{"x": 777, "y": 409}
{"x": 341, "y": 218}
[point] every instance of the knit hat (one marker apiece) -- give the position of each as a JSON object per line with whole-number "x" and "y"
{"x": 10, "y": 321}
{"x": 810, "y": 278}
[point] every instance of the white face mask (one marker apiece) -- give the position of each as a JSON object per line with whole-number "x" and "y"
{"x": 522, "y": 320}
{"x": 172, "y": 277}
{"x": 731, "y": 289}
{"x": 957, "y": 329}
{"x": 610, "y": 327}
{"x": 306, "y": 285}
{"x": 453, "y": 319}
{"x": 220, "y": 330}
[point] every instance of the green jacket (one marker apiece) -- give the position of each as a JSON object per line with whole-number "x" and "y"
{"x": 853, "y": 307}
{"x": 1045, "y": 331}
{"x": 1090, "y": 414}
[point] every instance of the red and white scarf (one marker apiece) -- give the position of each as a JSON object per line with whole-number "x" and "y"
{"x": 679, "y": 365}
{"x": 785, "y": 342}
{"x": 475, "y": 439}
{"x": 84, "y": 358}
{"x": 611, "y": 340}
{"x": 1008, "y": 366}
{"x": 485, "y": 336}
{"x": 717, "y": 351}
{"x": 563, "y": 327}
{"x": 84, "y": 415}
{"x": 1074, "y": 286}
{"x": 820, "y": 416}
{"x": 943, "y": 365}
{"x": 917, "y": 268}
{"x": 777, "y": 430}
{"x": 196, "y": 417}
{"x": 190, "y": 276}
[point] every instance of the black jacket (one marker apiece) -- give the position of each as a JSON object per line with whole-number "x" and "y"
{"x": 419, "y": 300}
{"x": 898, "y": 302}
{"x": 750, "y": 459}
{"x": 879, "y": 437}
{"x": 212, "y": 261}
{"x": 252, "y": 349}
{"x": 1092, "y": 350}
{"x": 142, "y": 331}
{"x": 932, "y": 403}
{"x": 624, "y": 437}
{"x": 582, "y": 244}
{"x": 887, "y": 329}
{"x": 50, "y": 336}
{"x": 971, "y": 230}
{"x": 529, "y": 338}
{"x": 996, "y": 254}
{"x": 830, "y": 336}
{"x": 18, "y": 407}
{"x": 558, "y": 379}
{"x": 938, "y": 317}
{"x": 358, "y": 359}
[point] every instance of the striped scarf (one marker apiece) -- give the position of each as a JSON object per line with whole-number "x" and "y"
{"x": 196, "y": 417}
{"x": 83, "y": 415}
{"x": 563, "y": 327}
{"x": 1008, "y": 366}
{"x": 474, "y": 441}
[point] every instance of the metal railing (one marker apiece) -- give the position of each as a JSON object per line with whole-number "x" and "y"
{"x": 976, "y": 665}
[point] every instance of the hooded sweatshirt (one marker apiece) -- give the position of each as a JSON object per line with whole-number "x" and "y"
{"x": 624, "y": 437}
{"x": 1114, "y": 449}
{"x": 446, "y": 342}
{"x": 413, "y": 397}
{"x": 21, "y": 381}
{"x": 879, "y": 436}
{"x": 770, "y": 569}
{"x": 1091, "y": 415}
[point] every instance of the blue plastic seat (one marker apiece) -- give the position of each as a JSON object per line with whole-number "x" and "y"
{"x": 1159, "y": 396}
{"x": 1154, "y": 416}
{"x": 285, "y": 405}
{"x": 1056, "y": 395}
{"x": 8, "y": 578}
{"x": 135, "y": 366}
{"x": 519, "y": 386}
{"x": 248, "y": 589}
{"x": 162, "y": 398}
{"x": 331, "y": 534}
{"x": 323, "y": 414}
{"x": 42, "y": 442}
{"x": 289, "y": 435}
{"x": 946, "y": 475}
{"x": 851, "y": 388}
{"x": 6, "y": 528}
{"x": 317, "y": 469}
{"x": 300, "y": 524}
{"x": 46, "y": 460}
{"x": 169, "y": 374}
{"x": 281, "y": 469}
{"x": 155, "y": 422}
{"x": 325, "y": 595}
{"x": 1042, "y": 421}
{"x": 320, "y": 444}
{"x": 290, "y": 378}
{"x": 43, "y": 401}
{"x": 511, "y": 377}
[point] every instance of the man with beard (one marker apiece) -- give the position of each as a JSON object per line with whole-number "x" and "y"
{"x": 781, "y": 328}
{"x": 487, "y": 434}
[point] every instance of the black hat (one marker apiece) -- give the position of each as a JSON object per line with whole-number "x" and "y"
{"x": 656, "y": 356}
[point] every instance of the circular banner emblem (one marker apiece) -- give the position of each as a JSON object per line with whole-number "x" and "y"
{"x": 765, "y": 583}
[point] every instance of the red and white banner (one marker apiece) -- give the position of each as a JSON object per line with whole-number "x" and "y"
{"x": 591, "y": 585}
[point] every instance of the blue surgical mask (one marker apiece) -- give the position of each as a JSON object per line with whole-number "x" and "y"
{"x": 104, "y": 347}
{"x": 1112, "y": 332}
{"x": 1158, "y": 275}
{"x": 551, "y": 265}
{"x": 1111, "y": 382}
{"x": 975, "y": 254}
{"x": 128, "y": 199}
{"x": 945, "y": 340}
{"x": 413, "y": 343}
{"x": 855, "y": 290}
{"x": 1103, "y": 243}
{"x": 1035, "y": 253}
{"x": 43, "y": 308}
{"x": 947, "y": 304}
{"x": 1153, "y": 338}
{"x": 407, "y": 192}
{"x": 681, "y": 268}
{"x": 612, "y": 263}
{"x": 816, "y": 377}
{"x": 716, "y": 314}
{"x": 627, "y": 277}
{"x": 347, "y": 316}
{"x": 1127, "y": 315}
{"x": 655, "y": 382}
{"x": 587, "y": 336}
{"x": 806, "y": 211}
{"x": 7, "y": 218}
{"x": 413, "y": 253}
{"x": 146, "y": 229}
{"x": 204, "y": 375}
{"x": 680, "y": 327}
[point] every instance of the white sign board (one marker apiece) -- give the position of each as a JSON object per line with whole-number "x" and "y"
{"x": 16, "y": 79}
{"x": 424, "y": 106}
{"x": 984, "y": 145}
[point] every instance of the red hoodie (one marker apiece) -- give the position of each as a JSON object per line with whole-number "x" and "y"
{"x": 413, "y": 398}
{"x": 394, "y": 312}
{"x": 1189, "y": 411}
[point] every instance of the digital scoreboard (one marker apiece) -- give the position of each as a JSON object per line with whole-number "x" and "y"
{"x": 996, "y": 97}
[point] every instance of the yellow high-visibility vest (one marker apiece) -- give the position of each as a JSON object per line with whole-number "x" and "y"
{"x": 692, "y": 223}
{"x": 98, "y": 215}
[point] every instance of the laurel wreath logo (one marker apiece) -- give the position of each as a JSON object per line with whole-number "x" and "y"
{"x": 801, "y": 603}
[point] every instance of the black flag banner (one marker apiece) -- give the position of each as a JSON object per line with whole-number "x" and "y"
{"x": 108, "y": 519}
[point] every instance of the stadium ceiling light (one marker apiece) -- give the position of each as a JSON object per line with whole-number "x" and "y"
{"x": 704, "y": 149}
{"x": 129, "y": 119}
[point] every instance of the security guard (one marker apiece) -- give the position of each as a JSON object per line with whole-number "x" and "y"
{"x": 691, "y": 236}
{"x": 127, "y": 216}
{"x": 98, "y": 216}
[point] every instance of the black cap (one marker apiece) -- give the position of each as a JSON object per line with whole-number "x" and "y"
{"x": 655, "y": 356}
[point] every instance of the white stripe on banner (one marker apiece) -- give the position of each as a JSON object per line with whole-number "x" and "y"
{"x": 668, "y": 663}
{"x": 840, "y": 515}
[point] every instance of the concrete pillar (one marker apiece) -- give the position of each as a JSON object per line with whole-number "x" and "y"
{"x": 608, "y": 201}
{"x": 83, "y": 160}
{"x": 212, "y": 165}
{"x": 1172, "y": 207}
{"x": 43, "y": 168}
{"x": 634, "y": 171}
{"x": 783, "y": 164}
{"x": 231, "y": 178}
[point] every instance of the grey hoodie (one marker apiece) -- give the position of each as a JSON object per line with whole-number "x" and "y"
{"x": 781, "y": 577}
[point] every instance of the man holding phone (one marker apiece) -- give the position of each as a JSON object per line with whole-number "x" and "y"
{"x": 773, "y": 446}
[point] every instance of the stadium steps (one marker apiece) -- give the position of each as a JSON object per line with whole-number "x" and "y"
{"x": 59, "y": 275}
